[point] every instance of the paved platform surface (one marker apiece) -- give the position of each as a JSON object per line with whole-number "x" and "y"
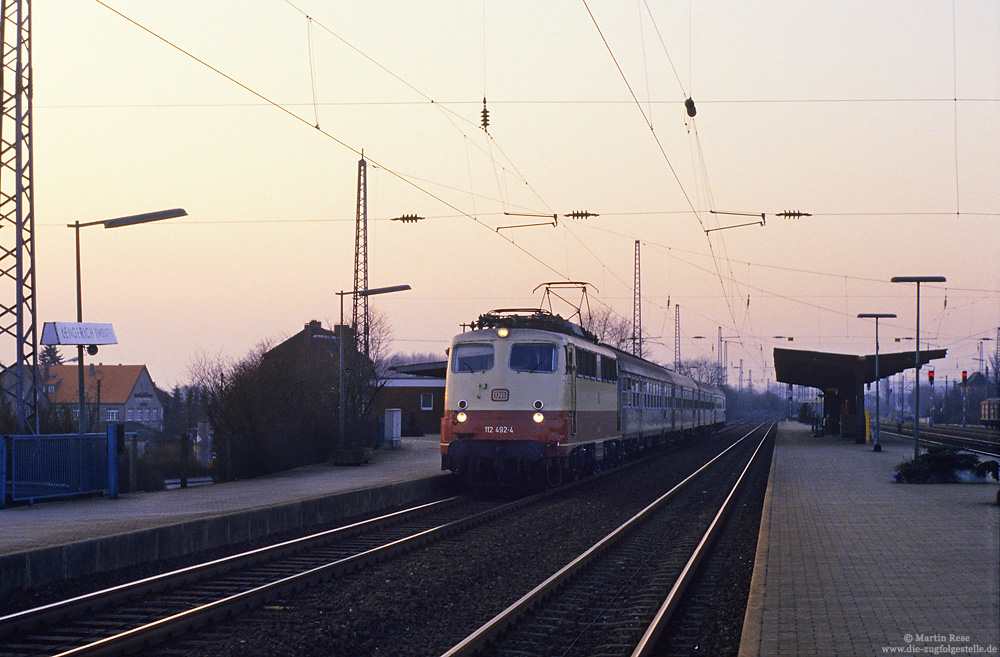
{"x": 850, "y": 563}
{"x": 52, "y": 523}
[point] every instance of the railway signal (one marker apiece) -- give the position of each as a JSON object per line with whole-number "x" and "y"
{"x": 930, "y": 377}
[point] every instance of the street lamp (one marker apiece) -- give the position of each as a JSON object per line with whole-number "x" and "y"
{"x": 981, "y": 359}
{"x": 916, "y": 412}
{"x": 877, "y": 447}
{"x": 107, "y": 223}
{"x": 340, "y": 343}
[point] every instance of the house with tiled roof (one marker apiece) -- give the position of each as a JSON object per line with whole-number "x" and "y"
{"x": 113, "y": 394}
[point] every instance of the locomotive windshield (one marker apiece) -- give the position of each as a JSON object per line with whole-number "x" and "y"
{"x": 472, "y": 357}
{"x": 533, "y": 357}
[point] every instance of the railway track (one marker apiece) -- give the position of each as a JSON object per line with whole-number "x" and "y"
{"x": 618, "y": 596}
{"x": 171, "y": 607}
{"x": 980, "y": 440}
{"x": 132, "y": 616}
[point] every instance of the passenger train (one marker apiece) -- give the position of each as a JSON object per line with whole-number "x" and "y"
{"x": 532, "y": 397}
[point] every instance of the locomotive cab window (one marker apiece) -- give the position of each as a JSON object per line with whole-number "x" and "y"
{"x": 472, "y": 357}
{"x": 533, "y": 357}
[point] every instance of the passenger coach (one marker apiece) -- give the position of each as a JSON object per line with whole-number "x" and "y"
{"x": 532, "y": 395}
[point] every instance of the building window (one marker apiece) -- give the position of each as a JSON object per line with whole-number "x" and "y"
{"x": 427, "y": 401}
{"x": 129, "y": 416}
{"x": 112, "y": 415}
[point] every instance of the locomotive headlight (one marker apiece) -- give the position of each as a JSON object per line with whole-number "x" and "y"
{"x": 461, "y": 417}
{"x": 538, "y": 418}
{"x": 503, "y": 332}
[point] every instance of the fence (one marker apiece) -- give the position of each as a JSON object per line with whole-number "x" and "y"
{"x": 40, "y": 467}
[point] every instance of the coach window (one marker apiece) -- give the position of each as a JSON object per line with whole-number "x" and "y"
{"x": 529, "y": 357}
{"x": 472, "y": 357}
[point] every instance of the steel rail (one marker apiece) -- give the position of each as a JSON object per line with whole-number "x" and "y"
{"x": 30, "y": 619}
{"x": 176, "y": 624}
{"x": 647, "y": 644}
{"x": 487, "y": 632}
{"x": 980, "y": 443}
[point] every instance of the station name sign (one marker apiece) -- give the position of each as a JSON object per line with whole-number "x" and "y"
{"x": 78, "y": 333}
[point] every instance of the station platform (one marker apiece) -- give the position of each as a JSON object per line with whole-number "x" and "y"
{"x": 54, "y": 540}
{"x": 851, "y": 563}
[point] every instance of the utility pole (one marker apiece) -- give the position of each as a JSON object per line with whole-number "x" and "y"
{"x": 18, "y": 318}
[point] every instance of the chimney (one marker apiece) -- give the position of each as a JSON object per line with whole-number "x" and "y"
{"x": 346, "y": 331}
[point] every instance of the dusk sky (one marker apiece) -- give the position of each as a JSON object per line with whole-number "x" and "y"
{"x": 881, "y": 120}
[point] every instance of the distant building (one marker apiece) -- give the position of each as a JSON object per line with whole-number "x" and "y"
{"x": 418, "y": 391}
{"x": 310, "y": 343}
{"x": 113, "y": 394}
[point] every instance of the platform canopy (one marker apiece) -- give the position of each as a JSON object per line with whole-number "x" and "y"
{"x": 436, "y": 369}
{"x": 823, "y": 370}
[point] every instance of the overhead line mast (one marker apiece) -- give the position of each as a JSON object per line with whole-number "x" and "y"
{"x": 18, "y": 318}
{"x": 637, "y": 307}
{"x": 359, "y": 316}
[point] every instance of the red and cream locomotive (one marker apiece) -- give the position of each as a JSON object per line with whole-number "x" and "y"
{"x": 531, "y": 396}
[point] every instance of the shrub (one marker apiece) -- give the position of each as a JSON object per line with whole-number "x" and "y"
{"x": 937, "y": 465}
{"x": 991, "y": 468}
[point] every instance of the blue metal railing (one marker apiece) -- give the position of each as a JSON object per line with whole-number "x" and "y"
{"x": 41, "y": 467}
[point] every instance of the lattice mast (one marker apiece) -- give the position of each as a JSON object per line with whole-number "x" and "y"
{"x": 18, "y": 343}
{"x": 360, "y": 317}
{"x": 720, "y": 367}
{"x": 677, "y": 337}
{"x": 637, "y": 307}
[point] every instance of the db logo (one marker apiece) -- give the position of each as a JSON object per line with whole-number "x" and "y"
{"x": 501, "y": 394}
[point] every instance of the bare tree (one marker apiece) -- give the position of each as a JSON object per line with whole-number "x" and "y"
{"x": 610, "y": 328}
{"x": 702, "y": 369}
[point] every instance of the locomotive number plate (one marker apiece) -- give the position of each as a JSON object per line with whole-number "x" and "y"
{"x": 501, "y": 394}
{"x": 498, "y": 429}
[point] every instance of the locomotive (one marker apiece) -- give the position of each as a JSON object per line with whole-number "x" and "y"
{"x": 533, "y": 397}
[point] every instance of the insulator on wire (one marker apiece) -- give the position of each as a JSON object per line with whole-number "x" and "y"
{"x": 408, "y": 218}
{"x": 793, "y": 214}
{"x": 581, "y": 214}
{"x": 485, "y": 115}
{"x": 689, "y": 104}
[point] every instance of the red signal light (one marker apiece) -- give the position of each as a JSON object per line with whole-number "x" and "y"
{"x": 930, "y": 377}
{"x": 964, "y": 376}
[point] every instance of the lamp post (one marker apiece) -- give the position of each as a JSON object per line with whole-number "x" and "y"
{"x": 916, "y": 412}
{"x": 981, "y": 359}
{"x": 340, "y": 345}
{"x": 107, "y": 223}
{"x": 877, "y": 447}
